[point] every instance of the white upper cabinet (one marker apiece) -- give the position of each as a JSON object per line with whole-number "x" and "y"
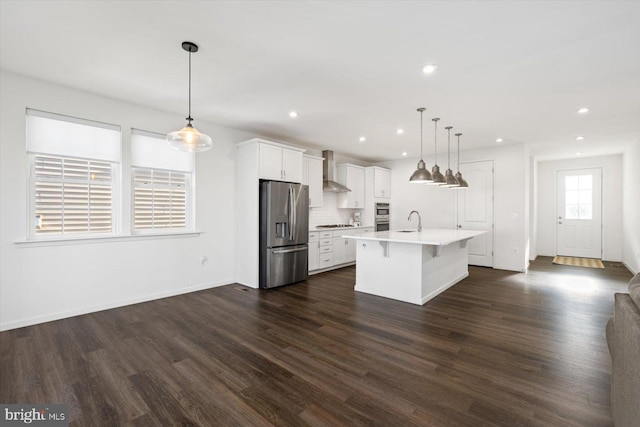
{"x": 312, "y": 176}
{"x": 270, "y": 162}
{"x": 280, "y": 163}
{"x": 378, "y": 183}
{"x": 352, "y": 177}
{"x": 381, "y": 182}
{"x": 291, "y": 165}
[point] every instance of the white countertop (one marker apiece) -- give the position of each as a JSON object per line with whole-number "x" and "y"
{"x": 429, "y": 236}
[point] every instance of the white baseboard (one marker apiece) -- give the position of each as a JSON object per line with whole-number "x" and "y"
{"x": 14, "y": 324}
{"x": 629, "y": 268}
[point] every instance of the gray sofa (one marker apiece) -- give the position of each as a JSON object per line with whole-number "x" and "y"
{"x": 623, "y": 337}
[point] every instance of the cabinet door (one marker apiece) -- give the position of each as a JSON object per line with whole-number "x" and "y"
{"x": 382, "y": 183}
{"x": 305, "y": 174}
{"x": 339, "y": 250}
{"x": 270, "y": 162}
{"x": 314, "y": 255}
{"x": 355, "y": 180}
{"x": 315, "y": 183}
{"x": 350, "y": 250}
{"x": 291, "y": 165}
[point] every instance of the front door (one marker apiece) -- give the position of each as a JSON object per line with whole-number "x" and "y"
{"x": 475, "y": 210}
{"x": 579, "y": 213}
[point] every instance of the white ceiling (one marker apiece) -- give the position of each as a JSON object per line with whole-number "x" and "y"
{"x": 512, "y": 69}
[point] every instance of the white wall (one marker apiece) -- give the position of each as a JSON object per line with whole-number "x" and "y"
{"x": 631, "y": 208}
{"x": 437, "y": 206}
{"x": 533, "y": 209}
{"x": 611, "y": 203}
{"x": 40, "y": 283}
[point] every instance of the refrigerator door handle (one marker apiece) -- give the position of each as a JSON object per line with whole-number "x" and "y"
{"x": 287, "y": 251}
{"x": 291, "y": 214}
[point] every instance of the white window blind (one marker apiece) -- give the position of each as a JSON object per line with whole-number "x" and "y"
{"x": 49, "y": 133}
{"x": 71, "y": 195}
{"x": 73, "y": 165}
{"x": 162, "y": 179}
{"x": 159, "y": 199}
{"x": 150, "y": 150}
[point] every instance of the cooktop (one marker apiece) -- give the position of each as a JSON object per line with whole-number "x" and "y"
{"x": 334, "y": 226}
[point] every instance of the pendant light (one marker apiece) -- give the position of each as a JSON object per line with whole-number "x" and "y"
{"x": 436, "y": 176}
{"x": 461, "y": 182}
{"x": 421, "y": 175}
{"x": 449, "y": 179}
{"x": 188, "y": 138}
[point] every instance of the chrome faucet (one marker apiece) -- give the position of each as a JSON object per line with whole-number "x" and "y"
{"x": 419, "y": 219}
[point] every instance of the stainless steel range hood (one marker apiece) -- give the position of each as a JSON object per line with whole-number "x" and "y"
{"x": 328, "y": 168}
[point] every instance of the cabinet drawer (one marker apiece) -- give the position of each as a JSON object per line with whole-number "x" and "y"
{"x": 326, "y": 260}
{"x": 326, "y": 249}
{"x": 313, "y": 237}
{"x": 326, "y": 234}
{"x": 326, "y": 242}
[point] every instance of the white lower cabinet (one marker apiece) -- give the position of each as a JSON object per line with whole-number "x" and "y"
{"x": 328, "y": 248}
{"x": 349, "y": 250}
{"x": 314, "y": 251}
{"x": 339, "y": 250}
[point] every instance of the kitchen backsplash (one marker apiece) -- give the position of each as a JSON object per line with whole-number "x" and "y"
{"x": 330, "y": 214}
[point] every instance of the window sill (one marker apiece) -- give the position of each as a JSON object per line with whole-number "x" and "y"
{"x": 63, "y": 241}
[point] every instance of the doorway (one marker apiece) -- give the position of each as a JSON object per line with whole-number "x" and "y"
{"x": 579, "y": 213}
{"x": 475, "y": 210}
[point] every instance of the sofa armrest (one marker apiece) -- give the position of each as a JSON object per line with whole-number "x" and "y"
{"x": 625, "y": 352}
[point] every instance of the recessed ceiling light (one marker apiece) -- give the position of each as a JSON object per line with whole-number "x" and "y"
{"x": 363, "y": 139}
{"x": 400, "y": 131}
{"x": 428, "y": 69}
{"x": 578, "y": 154}
{"x": 583, "y": 110}
{"x": 293, "y": 114}
{"x": 579, "y": 138}
{"x": 404, "y": 153}
{"x": 499, "y": 140}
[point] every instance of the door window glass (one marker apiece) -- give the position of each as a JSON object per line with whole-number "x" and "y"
{"x": 578, "y": 197}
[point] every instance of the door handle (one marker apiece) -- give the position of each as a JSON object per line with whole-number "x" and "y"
{"x": 559, "y": 222}
{"x": 459, "y": 226}
{"x": 287, "y": 251}
{"x": 291, "y": 219}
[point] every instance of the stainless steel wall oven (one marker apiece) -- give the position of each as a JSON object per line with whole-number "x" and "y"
{"x": 381, "y": 218}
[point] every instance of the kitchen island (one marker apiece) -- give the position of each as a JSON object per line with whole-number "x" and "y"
{"x": 409, "y": 265}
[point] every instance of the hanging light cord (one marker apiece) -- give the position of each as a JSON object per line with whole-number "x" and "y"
{"x": 421, "y": 135}
{"x": 435, "y": 143}
{"x": 458, "y": 135}
{"x": 189, "y": 119}
{"x": 448, "y": 148}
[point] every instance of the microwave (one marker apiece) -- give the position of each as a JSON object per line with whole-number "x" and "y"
{"x": 382, "y": 211}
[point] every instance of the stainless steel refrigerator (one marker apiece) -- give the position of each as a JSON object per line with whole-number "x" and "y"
{"x": 284, "y": 233}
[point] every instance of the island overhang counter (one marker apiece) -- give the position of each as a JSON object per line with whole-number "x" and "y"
{"x": 409, "y": 265}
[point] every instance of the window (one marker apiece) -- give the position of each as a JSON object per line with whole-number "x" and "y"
{"x": 72, "y": 195}
{"x": 162, "y": 184}
{"x": 159, "y": 199}
{"x": 578, "y": 196}
{"x": 72, "y": 177}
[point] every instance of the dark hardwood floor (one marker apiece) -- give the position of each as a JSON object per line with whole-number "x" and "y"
{"x": 499, "y": 348}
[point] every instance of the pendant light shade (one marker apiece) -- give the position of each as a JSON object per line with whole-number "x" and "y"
{"x": 421, "y": 174}
{"x": 436, "y": 175}
{"x": 449, "y": 179}
{"x": 188, "y": 138}
{"x": 462, "y": 184}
